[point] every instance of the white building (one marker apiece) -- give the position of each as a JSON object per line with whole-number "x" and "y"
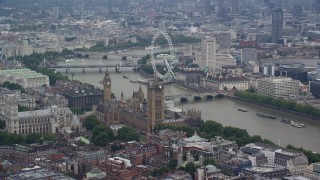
{"x": 312, "y": 171}
{"x": 208, "y": 52}
{"x": 280, "y": 87}
{"x": 24, "y": 77}
{"x": 228, "y": 83}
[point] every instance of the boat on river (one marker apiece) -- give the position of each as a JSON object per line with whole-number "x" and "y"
{"x": 287, "y": 121}
{"x": 265, "y": 115}
{"x": 242, "y": 110}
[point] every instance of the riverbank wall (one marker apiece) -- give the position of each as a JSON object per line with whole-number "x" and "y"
{"x": 274, "y": 107}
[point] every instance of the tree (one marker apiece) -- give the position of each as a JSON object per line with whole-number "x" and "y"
{"x": 13, "y": 86}
{"x": 172, "y": 164}
{"x": 22, "y": 108}
{"x": 105, "y": 57}
{"x": 90, "y": 122}
{"x": 127, "y": 134}
{"x": 102, "y": 135}
{"x": 209, "y": 161}
{"x": 2, "y": 124}
{"x": 190, "y": 168}
{"x": 33, "y": 138}
{"x": 213, "y": 127}
{"x": 77, "y": 111}
{"x": 49, "y": 137}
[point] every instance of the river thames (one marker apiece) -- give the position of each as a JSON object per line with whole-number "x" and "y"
{"x": 222, "y": 110}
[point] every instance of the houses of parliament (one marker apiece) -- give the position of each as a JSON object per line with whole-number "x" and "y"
{"x": 140, "y": 113}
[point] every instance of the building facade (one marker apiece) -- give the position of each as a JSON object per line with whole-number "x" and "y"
{"x": 277, "y": 25}
{"x": 315, "y": 88}
{"x": 208, "y": 52}
{"x": 140, "y": 113}
{"x": 312, "y": 171}
{"x": 39, "y": 121}
{"x": 24, "y": 77}
{"x": 83, "y": 98}
{"x": 280, "y": 87}
{"x": 156, "y": 105}
{"x": 248, "y": 54}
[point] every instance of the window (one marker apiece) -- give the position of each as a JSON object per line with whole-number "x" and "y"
{"x": 158, "y": 116}
{"x": 158, "y": 103}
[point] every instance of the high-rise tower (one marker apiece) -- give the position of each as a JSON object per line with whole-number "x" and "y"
{"x": 107, "y": 88}
{"x": 277, "y": 25}
{"x": 208, "y": 52}
{"x": 235, "y": 7}
{"x": 221, "y": 10}
{"x": 156, "y": 104}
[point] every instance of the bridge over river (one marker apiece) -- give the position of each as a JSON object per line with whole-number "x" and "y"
{"x": 97, "y": 66}
{"x": 192, "y": 97}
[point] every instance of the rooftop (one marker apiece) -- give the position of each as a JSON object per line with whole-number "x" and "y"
{"x": 195, "y": 138}
{"x": 38, "y": 173}
{"x": 21, "y": 73}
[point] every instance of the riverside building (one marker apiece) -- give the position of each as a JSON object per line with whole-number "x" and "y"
{"x": 280, "y": 87}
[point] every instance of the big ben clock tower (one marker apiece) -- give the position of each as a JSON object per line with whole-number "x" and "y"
{"x": 107, "y": 88}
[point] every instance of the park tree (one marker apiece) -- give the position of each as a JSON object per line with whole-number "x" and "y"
{"x": 127, "y": 134}
{"x": 212, "y": 127}
{"x": 102, "y": 135}
{"x": 33, "y": 138}
{"x": 90, "y": 122}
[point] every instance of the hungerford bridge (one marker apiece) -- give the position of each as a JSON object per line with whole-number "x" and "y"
{"x": 100, "y": 65}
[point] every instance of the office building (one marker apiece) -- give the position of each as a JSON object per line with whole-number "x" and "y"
{"x": 83, "y": 98}
{"x": 248, "y": 54}
{"x": 294, "y": 161}
{"x": 315, "y": 88}
{"x": 221, "y": 10}
{"x": 24, "y": 77}
{"x": 294, "y": 70}
{"x": 235, "y": 7}
{"x": 267, "y": 69}
{"x": 224, "y": 60}
{"x": 277, "y": 3}
{"x": 277, "y": 25}
{"x": 208, "y": 52}
{"x": 280, "y": 87}
{"x": 223, "y": 39}
{"x": 56, "y": 12}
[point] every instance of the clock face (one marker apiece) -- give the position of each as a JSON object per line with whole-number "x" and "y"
{"x": 108, "y": 83}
